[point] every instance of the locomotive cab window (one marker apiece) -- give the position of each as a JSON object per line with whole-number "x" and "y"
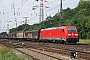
{"x": 62, "y": 30}
{"x": 71, "y": 29}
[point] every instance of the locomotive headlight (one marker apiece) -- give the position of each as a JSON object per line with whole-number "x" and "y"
{"x": 69, "y": 34}
{"x": 76, "y": 34}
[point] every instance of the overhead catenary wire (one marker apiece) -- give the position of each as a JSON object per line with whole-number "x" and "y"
{"x": 22, "y": 5}
{"x": 50, "y": 9}
{"x": 30, "y": 12}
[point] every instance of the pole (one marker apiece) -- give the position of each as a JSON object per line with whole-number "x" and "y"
{"x": 14, "y": 7}
{"x": 61, "y": 19}
{"x": 41, "y": 13}
{"x": 8, "y": 28}
{"x": 16, "y": 24}
{"x": 25, "y": 21}
{"x": 40, "y": 18}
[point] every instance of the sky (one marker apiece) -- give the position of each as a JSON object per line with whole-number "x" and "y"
{"x": 12, "y": 10}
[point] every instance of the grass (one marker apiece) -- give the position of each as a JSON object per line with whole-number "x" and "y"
{"x": 7, "y": 54}
{"x": 84, "y": 41}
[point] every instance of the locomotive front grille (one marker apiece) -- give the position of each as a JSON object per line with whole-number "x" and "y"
{"x": 73, "y": 39}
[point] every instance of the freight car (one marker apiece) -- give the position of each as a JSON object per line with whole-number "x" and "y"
{"x": 63, "y": 34}
{"x": 12, "y": 35}
{"x": 5, "y": 36}
{"x": 32, "y": 34}
{"x": 1, "y": 36}
{"x": 25, "y": 35}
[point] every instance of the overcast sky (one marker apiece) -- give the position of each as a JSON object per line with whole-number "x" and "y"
{"x": 23, "y": 8}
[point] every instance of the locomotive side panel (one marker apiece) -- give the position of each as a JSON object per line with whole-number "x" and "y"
{"x": 53, "y": 34}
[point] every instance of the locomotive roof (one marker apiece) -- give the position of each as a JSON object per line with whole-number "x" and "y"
{"x": 58, "y": 27}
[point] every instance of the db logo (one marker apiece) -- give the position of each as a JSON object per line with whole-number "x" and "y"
{"x": 72, "y": 34}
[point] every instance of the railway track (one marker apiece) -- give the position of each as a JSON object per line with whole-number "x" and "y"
{"x": 50, "y": 47}
{"x": 35, "y": 54}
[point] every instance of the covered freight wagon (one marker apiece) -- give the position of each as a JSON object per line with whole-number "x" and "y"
{"x": 5, "y": 36}
{"x": 1, "y": 36}
{"x": 12, "y": 35}
{"x": 20, "y": 34}
{"x": 32, "y": 34}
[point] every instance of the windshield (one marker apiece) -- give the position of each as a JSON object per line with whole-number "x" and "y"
{"x": 71, "y": 29}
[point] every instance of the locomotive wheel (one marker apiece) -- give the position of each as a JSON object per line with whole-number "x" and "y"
{"x": 62, "y": 42}
{"x": 56, "y": 41}
{"x": 66, "y": 42}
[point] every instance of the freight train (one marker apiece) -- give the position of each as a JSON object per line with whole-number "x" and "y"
{"x": 63, "y": 34}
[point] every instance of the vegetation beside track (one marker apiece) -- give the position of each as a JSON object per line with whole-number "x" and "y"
{"x": 7, "y": 54}
{"x": 84, "y": 41}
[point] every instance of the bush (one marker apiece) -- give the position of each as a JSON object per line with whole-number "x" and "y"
{"x": 7, "y": 54}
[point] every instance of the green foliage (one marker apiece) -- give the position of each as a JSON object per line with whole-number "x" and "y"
{"x": 84, "y": 41}
{"x": 12, "y": 30}
{"x": 23, "y": 27}
{"x": 7, "y": 54}
{"x": 81, "y": 19}
{"x": 68, "y": 12}
{"x": 48, "y": 23}
{"x": 3, "y": 33}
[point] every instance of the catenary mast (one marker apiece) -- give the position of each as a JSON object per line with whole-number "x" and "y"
{"x": 61, "y": 18}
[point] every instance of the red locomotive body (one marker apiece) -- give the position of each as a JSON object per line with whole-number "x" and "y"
{"x": 62, "y": 34}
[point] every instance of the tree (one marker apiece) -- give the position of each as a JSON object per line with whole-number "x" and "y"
{"x": 3, "y": 33}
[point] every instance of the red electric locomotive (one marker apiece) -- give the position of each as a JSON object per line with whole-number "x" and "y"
{"x": 63, "y": 34}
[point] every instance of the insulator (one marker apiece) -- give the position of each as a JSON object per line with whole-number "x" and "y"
{"x": 33, "y": 8}
{"x": 46, "y": 1}
{"x": 37, "y": 0}
{"x": 14, "y": 13}
{"x": 46, "y": 6}
{"x": 41, "y": 5}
